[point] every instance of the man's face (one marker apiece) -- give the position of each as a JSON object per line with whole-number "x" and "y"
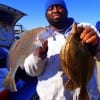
{"x": 55, "y": 14}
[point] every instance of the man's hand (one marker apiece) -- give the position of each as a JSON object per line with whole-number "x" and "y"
{"x": 89, "y": 36}
{"x": 42, "y": 51}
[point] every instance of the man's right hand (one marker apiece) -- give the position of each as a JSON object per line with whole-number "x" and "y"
{"x": 42, "y": 51}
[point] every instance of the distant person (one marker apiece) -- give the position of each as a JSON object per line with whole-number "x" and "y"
{"x": 6, "y": 40}
{"x": 98, "y": 25}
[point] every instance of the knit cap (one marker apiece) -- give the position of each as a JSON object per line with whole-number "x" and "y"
{"x": 97, "y": 25}
{"x": 54, "y": 2}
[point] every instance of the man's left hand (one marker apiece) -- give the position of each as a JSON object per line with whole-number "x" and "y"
{"x": 89, "y": 35}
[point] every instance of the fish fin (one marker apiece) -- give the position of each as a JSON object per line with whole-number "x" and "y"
{"x": 70, "y": 85}
{"x": 9, "y": 83}
{"x": 74, "y": 28}
{"x": 83, "y": 95}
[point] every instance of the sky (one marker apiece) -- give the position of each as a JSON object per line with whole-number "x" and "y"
{"x": 81, "y": 10}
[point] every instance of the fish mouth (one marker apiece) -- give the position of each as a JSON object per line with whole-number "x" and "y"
{"x": 37, "y": 44}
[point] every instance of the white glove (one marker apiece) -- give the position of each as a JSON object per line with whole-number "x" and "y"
{"x": 34, "y": 65}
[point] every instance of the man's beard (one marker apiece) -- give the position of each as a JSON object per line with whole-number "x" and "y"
{"x": 58, "y": 23}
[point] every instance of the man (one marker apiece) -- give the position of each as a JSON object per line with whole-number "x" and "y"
{"x": 51, "y": 80}
{"x": 44, "y": 62}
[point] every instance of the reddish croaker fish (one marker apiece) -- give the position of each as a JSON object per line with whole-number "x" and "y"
{"x": 22, "y": 48}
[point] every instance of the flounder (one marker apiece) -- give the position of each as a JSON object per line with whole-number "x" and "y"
{"x": 77, "y": 62}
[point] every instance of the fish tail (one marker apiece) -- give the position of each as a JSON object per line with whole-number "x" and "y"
{"x": 83, "y": 94}
{"x": 9, "y": 83}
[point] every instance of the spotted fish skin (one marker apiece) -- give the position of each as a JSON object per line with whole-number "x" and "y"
{"x": 18, "y": 52}
{"x": 77, "y": 62}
